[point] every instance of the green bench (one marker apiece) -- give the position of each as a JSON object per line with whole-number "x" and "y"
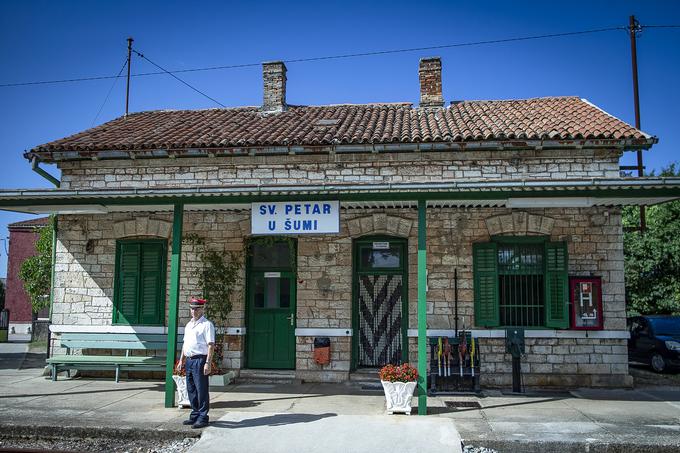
{"x": 120, "y": 344}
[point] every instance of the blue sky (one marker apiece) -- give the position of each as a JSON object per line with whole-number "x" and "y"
{"x": 59, "y": 40}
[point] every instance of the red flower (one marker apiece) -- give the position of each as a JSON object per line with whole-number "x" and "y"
{"x": 398, "y": 373}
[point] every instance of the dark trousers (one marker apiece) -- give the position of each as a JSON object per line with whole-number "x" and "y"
{"x": 197, "y": 388}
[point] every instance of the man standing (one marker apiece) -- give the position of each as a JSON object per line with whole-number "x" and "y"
{"x": 197, "y": 351}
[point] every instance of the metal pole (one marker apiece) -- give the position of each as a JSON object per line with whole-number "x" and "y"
{"x": 516, "y": 370}
{"x": 129, "y": 60}
{"x": 455, "y": 299}
{"x": 634, "y": 28}
{"x": 175, "y": 266}
{"x": 55, "y": 228}
{"x": 422, "y": 308}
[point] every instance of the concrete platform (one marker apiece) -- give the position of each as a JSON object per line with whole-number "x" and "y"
{"x": 337, "y": 417}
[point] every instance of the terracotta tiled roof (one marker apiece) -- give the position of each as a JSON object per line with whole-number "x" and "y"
{"x": 553, "y": 118}
{"x": 32, "y": 223}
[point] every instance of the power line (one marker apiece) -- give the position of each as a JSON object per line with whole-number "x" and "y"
{"x": 185, "y": 83}
{"x": 331, "y": 57}
{"x": 109, "y": 93}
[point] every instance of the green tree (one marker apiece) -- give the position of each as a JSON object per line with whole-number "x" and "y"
{"x": 2, "y": 295}
{"x": 218, "y": 276}
{"x": 652, "y": 259}
{"x": 36, "y": 271}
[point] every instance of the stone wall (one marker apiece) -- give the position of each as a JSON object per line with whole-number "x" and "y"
{"x": 341, "y": 168}
{"x": 563, "y": 362}
{"x": 86, "y": 260}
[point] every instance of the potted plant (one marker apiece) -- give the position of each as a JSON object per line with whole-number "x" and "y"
{"x": 218, "y": 276}
{"x": 399, "y": 382}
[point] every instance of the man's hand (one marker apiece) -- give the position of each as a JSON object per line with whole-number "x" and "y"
{"x": 180, "y": 365}
{"x": 206, "y": 368}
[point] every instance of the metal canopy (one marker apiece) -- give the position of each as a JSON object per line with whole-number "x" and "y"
{"x": 502, "y": 193}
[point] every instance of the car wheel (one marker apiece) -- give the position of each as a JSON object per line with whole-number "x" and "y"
{"x": 658, "y": 363}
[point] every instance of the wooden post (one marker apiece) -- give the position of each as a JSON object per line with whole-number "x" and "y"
{"x": 175, "y": 266}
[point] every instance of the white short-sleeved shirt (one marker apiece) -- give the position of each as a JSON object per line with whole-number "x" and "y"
{"x": 197, "y": 336}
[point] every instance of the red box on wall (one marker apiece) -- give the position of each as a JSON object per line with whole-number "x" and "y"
{"x": 585, "y": 295}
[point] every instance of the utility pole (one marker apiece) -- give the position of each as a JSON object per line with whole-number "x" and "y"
{"x": 634, "y": 29}
{"x": 127, "y": 91}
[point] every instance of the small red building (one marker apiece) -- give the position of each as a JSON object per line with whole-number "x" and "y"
{"x": 22, "y": 238}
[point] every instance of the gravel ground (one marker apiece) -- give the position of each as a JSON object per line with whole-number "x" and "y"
{"x": 99, "y": 445}
{"x": 473, "y": 449}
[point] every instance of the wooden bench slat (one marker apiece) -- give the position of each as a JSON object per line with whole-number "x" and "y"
{"x": 117, "y": 336}
{"x": 113, "y": 359}
{"x": 115, "y": 342}
{"x": 107, "y": 344}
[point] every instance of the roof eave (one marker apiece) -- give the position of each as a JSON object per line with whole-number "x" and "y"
{"x": 61, "y": 155}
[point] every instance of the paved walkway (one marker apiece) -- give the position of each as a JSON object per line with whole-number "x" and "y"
{"x": 328, "y": 418}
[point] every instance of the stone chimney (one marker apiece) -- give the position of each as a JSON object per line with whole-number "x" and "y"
{"x": 274, "y": 76}
{"x": 430, "y": 74}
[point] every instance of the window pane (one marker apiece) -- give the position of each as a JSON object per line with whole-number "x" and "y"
{"x": 388, "y": 258}
{"x": 521, "y": 258}
{"x": 271, "y": 291}
{"x": 521, "y": 292}
{"x": 276, "y": 255}
{"x": 522, "y": 300}
{"x": 284, "y": 293}
{"x": 258, "y": 293}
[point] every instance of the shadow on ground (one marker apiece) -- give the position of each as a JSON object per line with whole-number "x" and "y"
{"x": 271, "y": 420}
{"x": 22, "y": 360}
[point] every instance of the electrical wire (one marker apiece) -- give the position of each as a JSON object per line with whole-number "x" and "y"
{"x": 332, "y": 57}
{"x": 185, "y": 83}
{"x": 109, "y": 93}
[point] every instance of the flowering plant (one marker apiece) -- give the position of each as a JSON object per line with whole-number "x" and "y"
{"x": 214, "y": 368}
{"x": 398, "y": 373}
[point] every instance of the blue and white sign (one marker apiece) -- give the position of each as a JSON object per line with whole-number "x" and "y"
{"x": 295, "y": 217}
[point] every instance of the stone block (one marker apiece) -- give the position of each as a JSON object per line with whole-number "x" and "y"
{"x": 593, "y": 368}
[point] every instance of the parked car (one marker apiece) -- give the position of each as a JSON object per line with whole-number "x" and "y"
{"x": 655, "y": 340}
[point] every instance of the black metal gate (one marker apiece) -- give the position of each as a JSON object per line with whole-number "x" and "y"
{"x": 380, "y": 327}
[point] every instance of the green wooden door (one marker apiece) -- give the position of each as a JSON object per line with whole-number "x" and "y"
{"x": 271, "y": 323}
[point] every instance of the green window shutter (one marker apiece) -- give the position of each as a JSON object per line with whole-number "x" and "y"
{"x": 152, "y": 283}
{"x": 140, "y": 282}
{"x": 556, "y": 285}
{"x": 128, "y": 283}
{"x": 485, "y": 268}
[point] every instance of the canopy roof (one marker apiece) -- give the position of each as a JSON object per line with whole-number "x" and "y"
{"x": 502, "y": 193}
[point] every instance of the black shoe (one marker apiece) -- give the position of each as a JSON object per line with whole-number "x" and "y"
{"x": 198, "y": 425}
{"x": 189, "y": 422}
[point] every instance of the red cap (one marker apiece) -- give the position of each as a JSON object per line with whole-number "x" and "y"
{"x": 196, "y": 303}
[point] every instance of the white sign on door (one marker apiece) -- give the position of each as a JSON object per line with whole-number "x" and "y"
{"x": 295, "y": 217}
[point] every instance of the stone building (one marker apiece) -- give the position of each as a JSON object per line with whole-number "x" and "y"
{"x": 382, "y": 216}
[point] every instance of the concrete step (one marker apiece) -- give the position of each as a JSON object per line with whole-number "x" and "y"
{"x": 253, "y": 376}
{"x": 365, "y": 379}
{"x": 365, "y": 374}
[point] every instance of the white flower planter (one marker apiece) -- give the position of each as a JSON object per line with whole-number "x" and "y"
{"x": 182, "y": 396}
{"x": 398, "y": 396}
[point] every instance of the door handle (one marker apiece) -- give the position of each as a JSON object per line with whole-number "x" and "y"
{"x": 291, "y": 318}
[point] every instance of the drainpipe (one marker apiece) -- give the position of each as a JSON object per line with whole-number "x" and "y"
{"x": 35, "y": 166}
